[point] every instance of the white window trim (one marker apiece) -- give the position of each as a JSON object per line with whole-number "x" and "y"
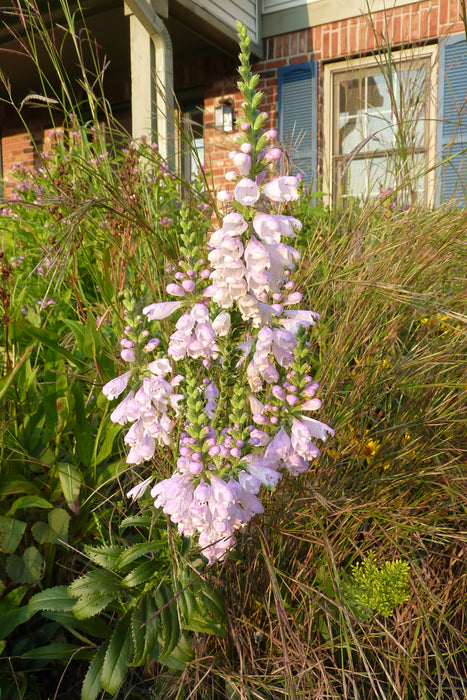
{"x": 331, "y": 69}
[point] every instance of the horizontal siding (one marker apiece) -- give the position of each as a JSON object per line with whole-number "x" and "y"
{"x": 230, "y": 11}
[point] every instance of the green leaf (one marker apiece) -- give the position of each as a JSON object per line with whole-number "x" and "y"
{"x": 55, "y": 530}
{"x": 56, "y": 598}
{"x": 91, "y": 337}
{"x": 92, "y": 681}
{"x": 11, "y": 532}
{"x": 142, "y": 573}
{"x": 70, "y": 480}
{"x": 29, "y": 502}
{"x": 86, "y": 607}
{"x": 59, "y": 650}
{"x": 25, "y": 569}
{"x": 110, "y": 431}
{"x": 142, "y": 549}
{"x": 10, "y": 620}
{"x": 83, "y": 435}
{"x": 12, "y": 599}
{"x": 145, "y": 629}
{"x": 117, "y": 656}
{"x": 106, "y": 556}
{"x": 96, "y": 583}
{"x": 10, "y": 485}
{"x": 95, "y": 626}
{"x": 182, "y": 655}
{"x": 50, "y": 340}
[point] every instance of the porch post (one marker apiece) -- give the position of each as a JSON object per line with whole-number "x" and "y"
{"x": 152, "y": 96}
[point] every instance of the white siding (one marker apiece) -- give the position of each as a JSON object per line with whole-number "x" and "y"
{"x": 230, "y": 11}
{"x": 331, "y": 10}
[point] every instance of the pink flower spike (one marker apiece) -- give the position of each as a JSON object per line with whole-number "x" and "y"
{"x": 161, "y": 309}
{"x": 247, "y": 192}
{"x": 175, "y": 290}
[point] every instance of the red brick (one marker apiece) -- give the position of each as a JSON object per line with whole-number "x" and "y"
{"x": 335, "y": 43}
{"x": 433, "y": 28}
{"x": 454, "y": 11}
{"x": 326, "y": 43}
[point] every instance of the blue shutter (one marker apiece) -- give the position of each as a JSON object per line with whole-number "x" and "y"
{"x": 451, "y": 176}
{"x": 298, "y": 117}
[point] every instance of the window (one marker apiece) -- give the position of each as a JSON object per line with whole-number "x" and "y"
{"x": 379, "y": 127}
{"x": 192, "y": 140}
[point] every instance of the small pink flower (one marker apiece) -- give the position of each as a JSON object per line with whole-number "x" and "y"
{"x": 128, "y": 355}
{"x": 116, "y": 386}
{"x": 247, "y": 192}
{"x": 242, "y": 161}
{"x": 175, "y": 290}
{"x": 282, "y": 189}
{"x": 224, "y": 196}
{"x": 161, "y": 309}
{"x": 273, "y": 155}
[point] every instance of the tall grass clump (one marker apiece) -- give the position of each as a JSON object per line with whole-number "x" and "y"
{"x": 351, "y": 584}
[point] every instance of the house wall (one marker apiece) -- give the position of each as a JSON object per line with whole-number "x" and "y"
{"x": 415, "y": 23}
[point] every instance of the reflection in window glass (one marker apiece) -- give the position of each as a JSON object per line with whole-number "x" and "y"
{"x": 193, "y": 148}
{"x": 380, "y": 136}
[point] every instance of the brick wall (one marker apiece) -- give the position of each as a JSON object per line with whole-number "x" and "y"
{"x": 413, "y": 24}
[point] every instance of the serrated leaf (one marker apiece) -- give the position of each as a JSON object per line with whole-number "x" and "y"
{"x": 96, "y": 583}
{"x": 180, "y": 656}
{"x": 138, "y": 632}
{"x": 56, "y": 598}
{"x": 117, "y": 656}
{"x": 141, "y": 549}
{"x": 135, "y": 521}
{"x": 168, "y": 614}
{"x": 86, "y": 607}
{"x": 92, "y": 681}
{"x": 108, "y": 557}
{"x": 11, "y": 532}
{"x": 141, "y": 573}
{"x": 25, "y": 569}
{"x": 55, "y": 530}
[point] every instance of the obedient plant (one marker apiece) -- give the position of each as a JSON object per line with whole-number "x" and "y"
{"x": 228, "y": 389}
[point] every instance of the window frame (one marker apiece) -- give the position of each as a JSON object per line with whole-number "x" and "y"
{"x": 333, "y": 70}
